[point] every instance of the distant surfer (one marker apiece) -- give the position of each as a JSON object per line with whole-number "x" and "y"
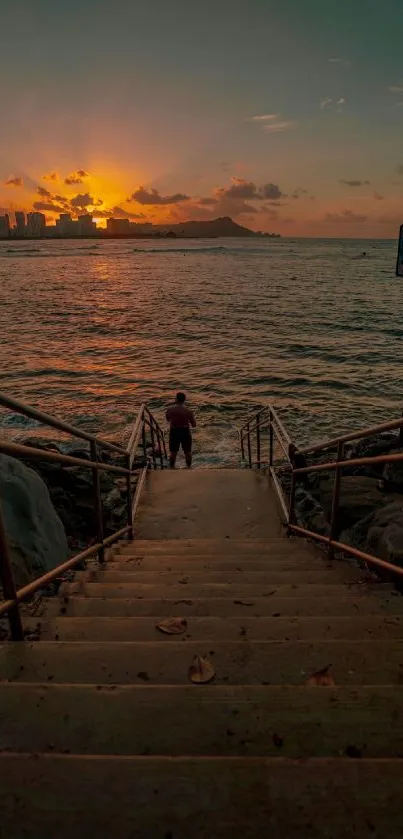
{"x": 181, "y": 420}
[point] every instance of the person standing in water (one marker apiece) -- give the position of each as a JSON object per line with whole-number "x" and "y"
{"x": 181, "y": 420}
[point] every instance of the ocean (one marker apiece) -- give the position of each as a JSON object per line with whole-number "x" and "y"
{"x": 90, "y": 329}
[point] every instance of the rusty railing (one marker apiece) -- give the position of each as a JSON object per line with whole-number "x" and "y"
{"x": 145, "y": 423}
{"x": 251, "y": 441}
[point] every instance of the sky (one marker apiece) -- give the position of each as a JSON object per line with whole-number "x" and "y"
{"x": 286, "y": 116}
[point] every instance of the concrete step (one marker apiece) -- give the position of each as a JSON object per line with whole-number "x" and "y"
{"x": 242, "y": 590}
{"x": 182, "y": 564}
{"x": 219, "y": 606}
{"x": 44, "y": 796}
{"x": 296, "y": 722}
{"x": 220, "y": 629}
{"x": 206, "y": 547}
{"x": 195, "y": 577}
{"x": 370, "y": 662}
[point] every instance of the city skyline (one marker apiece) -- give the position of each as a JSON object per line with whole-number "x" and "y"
{"x": 284, "y": 118}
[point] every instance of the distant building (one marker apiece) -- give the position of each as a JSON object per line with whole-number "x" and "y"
{"x": 118, "y": 227}
{"x": 36, "y": 224}
{"x": 20, "y": 229}
{"x": 63, "y": 225}
{"x": 86, "y": 226}
{"x": 4, "y": 227}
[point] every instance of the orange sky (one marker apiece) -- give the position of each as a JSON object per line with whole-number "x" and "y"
{"x": 286, "y": 117}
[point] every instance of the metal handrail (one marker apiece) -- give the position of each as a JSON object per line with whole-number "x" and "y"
{"x": 145, "y": 419}
{"x": 53, "y": 422}
{"x": 277, "y": 433}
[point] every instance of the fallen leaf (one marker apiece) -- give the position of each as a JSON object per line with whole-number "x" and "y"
{"x": 143, "y": 675}
{"x": 322, "y": 677}
{"x": 278, "y": 740}
{"x": 201, "y": 670}
{"x": 353, "y": 751}
{"x": 242, "y": 603}
{"x": 172, "y": 626}
{"x": 186, "y": 602}
{"x": 184, "y": 580}
{"x": 269, "y": 593}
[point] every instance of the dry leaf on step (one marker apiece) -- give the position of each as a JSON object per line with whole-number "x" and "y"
{"x": 173, "y": 626}
{"x": 184, "y": 580}
{"x": 323, "y": 678}
{"x": 201, "y": 670}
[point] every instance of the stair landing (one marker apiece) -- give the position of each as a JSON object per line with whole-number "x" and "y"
{"x": 208, "y": 503}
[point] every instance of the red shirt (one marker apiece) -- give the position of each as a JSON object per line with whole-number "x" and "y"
{"x": 179, "y": 416}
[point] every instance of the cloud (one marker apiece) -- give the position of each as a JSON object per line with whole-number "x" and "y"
{"x": 152, "y": 196}
{"x": 354, "y": 183}
{"x": 399, "y": 169}
{"x": 76, "y": 177}
{"x": 82, "y": 201}
{"x": 206, "y": 202}
{"x": 338, "y": 62}
{"x": 378, "y": 197}
{"x": 241, "y": 189}
{"x": 325, "y": 102}
{"x": 345, "y": 216}
{"x": 48, "y": 206}
{"x": 395, "y": 88}
{"x": 264, "y": 117}
{"x": 299, "y": 192}
{"x": 272, "y": 123}
{"x": 51, "y": 176}
{"x": 18, "y": 181}
{"x": 277, "y": 127}
{"x": 272, "y": 192}
{"x": 44, "y": 193}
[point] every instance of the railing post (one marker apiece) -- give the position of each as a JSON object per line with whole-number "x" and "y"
{"x": 335, "y": 501}
{"x": 249, "y": 448}
{"x": 164, "y": 445}
{"x": 291, "y": 508}
{"x": 144, "y": 440}
{"x": 97, "y": 500}
{"x": 401, "y": 434}
{"x": 242, "y": 445}
{"x": 271, "y": 439}
{"x": 258, "y": 440}
{"x": 7, "y": 581}
{"x": 159, "y": 441}
{"x": 152, "y": 433}
{"x": 129, "y": 498}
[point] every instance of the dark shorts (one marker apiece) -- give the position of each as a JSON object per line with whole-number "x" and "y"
{"x": 180, "y": 437}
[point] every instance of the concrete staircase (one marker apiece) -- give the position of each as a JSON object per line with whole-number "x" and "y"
{"x": 102, "y": 731}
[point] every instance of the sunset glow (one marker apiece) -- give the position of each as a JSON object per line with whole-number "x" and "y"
{"x": 293, "y": 125}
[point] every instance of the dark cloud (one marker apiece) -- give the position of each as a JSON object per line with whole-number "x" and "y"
{"x": 344, "y": 216}
{"x": 44, "y": 193}
{"x": 48, "y": 207}
{"x": 51, "y": 176}
{"x": 81, "y": 202}
{"x": 354, "y": 183}
{"x": 206, "y": 202}
{"x": 18, "y": 181}
{"x": 299, "y": 192}
{"x": 241, "y": 189}
{"x": 76, "y": 177}
{"x": 378, "y": 197}
{"x": 271, "y": 191}
{"x": 152, "y": 196}
{"x": 249, "y": 191}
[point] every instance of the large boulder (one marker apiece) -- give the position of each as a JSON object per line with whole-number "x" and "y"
{"x": 36, "y": 535}
{"x": 380, "y": 533}
{"x": 359, "y": 496}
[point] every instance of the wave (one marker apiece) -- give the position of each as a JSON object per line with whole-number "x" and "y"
{"x": 218, "y": 249}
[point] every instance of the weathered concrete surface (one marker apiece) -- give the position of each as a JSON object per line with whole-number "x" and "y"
{"x": 233, "y": 503}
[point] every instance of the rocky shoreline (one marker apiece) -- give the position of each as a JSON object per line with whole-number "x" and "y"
{"x": 370, "y": 514}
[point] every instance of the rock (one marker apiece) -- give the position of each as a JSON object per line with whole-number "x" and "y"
{"x": 371, "y": 447}
{"x": 309, "y": 513}
{"x": 392, "y": 476}
{"x": 380, "y": 533}
{"x": 359, "y": 496}
{"x": 35, "y": 532}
